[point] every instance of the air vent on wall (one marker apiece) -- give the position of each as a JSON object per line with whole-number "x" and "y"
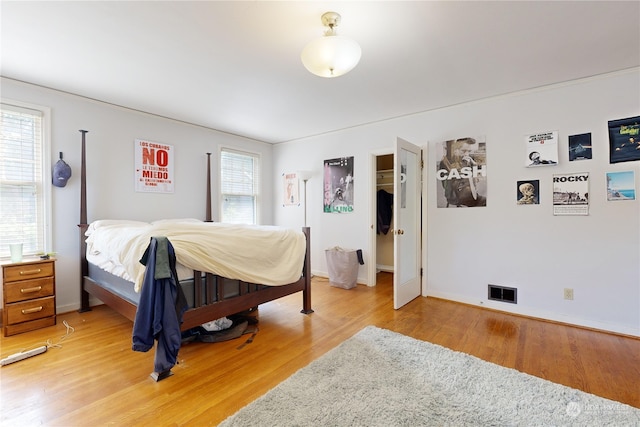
{"x": 504, "y": 294}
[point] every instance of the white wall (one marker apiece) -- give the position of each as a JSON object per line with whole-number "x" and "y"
{"x": 526, "y": 247}
{"x": 110, "y": 171}
{"x": 521, "y": 246}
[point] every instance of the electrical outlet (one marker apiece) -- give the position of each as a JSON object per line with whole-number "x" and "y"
{"x": 568, "y": 293}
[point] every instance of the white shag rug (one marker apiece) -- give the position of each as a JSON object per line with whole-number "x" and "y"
{"x": 382, "y": 378}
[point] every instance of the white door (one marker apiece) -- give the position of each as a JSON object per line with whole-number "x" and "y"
{"x": 407, "y": 220}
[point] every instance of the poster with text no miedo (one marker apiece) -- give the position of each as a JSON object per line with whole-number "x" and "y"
{"x": 153, "y": 167}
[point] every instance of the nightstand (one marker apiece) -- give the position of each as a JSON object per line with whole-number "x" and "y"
{"x": 29, "y": 294}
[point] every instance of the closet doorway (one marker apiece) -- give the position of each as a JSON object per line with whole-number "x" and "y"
{"x": 384, "y": 213}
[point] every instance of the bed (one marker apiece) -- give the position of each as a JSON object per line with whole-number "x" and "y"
{"x": 210, "y": 296}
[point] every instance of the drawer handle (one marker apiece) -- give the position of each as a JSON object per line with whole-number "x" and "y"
{"x": 32, "y": 310}
{"x": 29, "y": 290}
{"x": 25, "y": 273}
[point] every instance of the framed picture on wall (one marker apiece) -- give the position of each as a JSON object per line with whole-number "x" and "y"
{"x": 624, "y": 140}
{"x": 338, "y": 185}
{"x": 542, "y": 149}
{"x": 621, "y": 186}
{"x": 571, "y": 194}
{"x": 580, "y": 147}
{"x": 461, "y": 173}
{"x": 527, "y": 192}
{"x": 291, "y": 189}
{"x": 153, "y": 167}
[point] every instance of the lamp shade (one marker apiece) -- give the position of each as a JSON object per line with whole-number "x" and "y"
{"x": 331, "y": 55}
{"x": 304, "y": 175}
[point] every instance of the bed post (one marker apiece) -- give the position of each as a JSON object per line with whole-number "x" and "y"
{"x": 84, "y": 265}
{"x": 208, "y": 217}
{"x": 306, "y": 292}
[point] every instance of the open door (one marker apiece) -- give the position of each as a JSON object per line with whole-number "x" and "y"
{"x": 407, "y": 220}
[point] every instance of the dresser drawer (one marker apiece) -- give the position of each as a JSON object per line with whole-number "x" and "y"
{"x": 14, "y": 273}
{"x": 30, "y": 310}
{"x": 28, "y": 289}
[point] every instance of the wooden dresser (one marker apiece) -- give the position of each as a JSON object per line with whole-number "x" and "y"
{"x": 29, "y": 295}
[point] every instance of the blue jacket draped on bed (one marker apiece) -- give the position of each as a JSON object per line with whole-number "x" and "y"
{"x": 162, "y": 304}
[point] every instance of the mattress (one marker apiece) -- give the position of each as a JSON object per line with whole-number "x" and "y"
{"x": 125, "y": 289}
{"x": 255, "y": 254}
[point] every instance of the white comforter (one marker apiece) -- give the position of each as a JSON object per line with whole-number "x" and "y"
{"x": 267, "y": 255}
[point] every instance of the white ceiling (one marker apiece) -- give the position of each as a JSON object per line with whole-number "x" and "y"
{"x": 235, "y": 65}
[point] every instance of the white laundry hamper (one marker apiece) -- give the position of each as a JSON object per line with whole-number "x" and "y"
{"x": 343, "y": 267}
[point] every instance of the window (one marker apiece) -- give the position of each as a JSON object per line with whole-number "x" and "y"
{"x": 239, "y": 183}
{"x": 24, "y": 179}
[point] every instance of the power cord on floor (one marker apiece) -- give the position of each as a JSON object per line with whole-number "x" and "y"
{"x": 70, "y": 330}
{"x": 48, "y": 343}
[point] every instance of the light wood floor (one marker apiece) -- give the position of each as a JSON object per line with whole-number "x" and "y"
{"x": 95, "y": 379}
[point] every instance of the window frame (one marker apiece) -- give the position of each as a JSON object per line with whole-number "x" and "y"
{"x": 257, "y": 179}
{"x": 45, "y": 176}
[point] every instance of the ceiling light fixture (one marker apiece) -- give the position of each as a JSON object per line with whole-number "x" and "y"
{"x": 331, "y": 55}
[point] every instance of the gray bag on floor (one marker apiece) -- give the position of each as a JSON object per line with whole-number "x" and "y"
{"x": 343, "y": 267}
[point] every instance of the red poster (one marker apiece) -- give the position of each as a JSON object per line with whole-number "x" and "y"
{"x": 154, "y": 167}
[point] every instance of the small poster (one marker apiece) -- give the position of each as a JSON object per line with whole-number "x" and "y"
{"x": 542, "y": 149}
{"x": 291, "y": 189}
{"x": 571, "y": 194}
{"x": 624, "y": 140}
{"x": 153, "y": 167}
{"x": 338, "y": 185}
{"x": 527, "y": 192}
{"x": 621, "y": 186}
{"x": 580, "y": 147}
{"x": 461, "y": 172}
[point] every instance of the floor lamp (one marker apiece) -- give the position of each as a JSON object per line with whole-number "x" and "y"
{"x": 305, "y": 176}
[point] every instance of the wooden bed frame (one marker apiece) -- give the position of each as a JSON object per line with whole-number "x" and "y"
{"x": 210, "y": 306}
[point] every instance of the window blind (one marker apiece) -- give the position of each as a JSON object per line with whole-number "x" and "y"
{"x": 239, "y": 183}
{"x": 22, "y": 217}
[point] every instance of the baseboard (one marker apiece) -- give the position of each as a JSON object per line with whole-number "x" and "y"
{"x": 385, "y": 268}
{"x": 67, "y": 308}
{"x": 325, "y": 275}
{"x": 542, "y": 315}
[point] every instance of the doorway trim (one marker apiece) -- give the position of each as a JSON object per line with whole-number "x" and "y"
{"x": 371, "y": 271}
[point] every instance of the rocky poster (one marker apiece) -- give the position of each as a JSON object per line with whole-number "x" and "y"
{"x": 571, "y": 194}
